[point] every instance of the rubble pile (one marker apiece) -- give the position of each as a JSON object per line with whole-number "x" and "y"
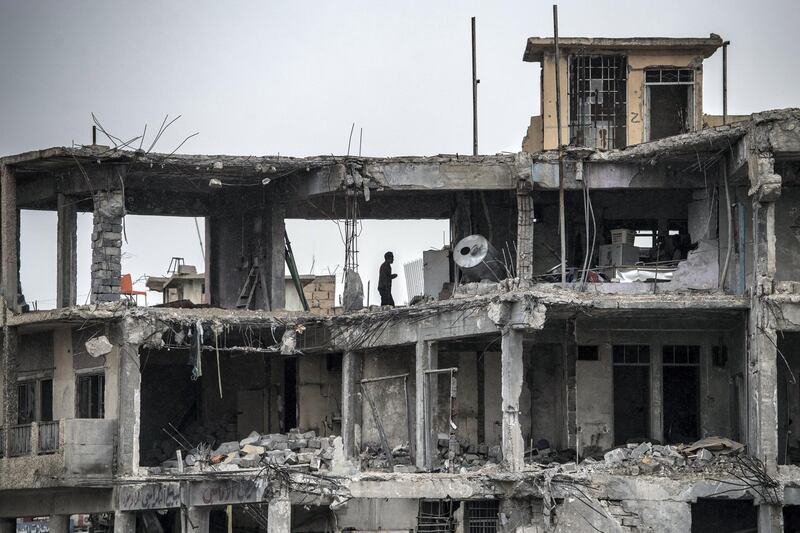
{"x": 296, "y": 449}
{"x": 373, "y": 458}
{"x": 454, "y": 454}
{"x": 195, "y": 432}
{"x": 458, "y": 454}
{"x": 648, "y": 458}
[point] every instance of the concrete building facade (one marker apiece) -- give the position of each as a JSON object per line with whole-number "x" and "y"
{"x": 652, "y": 396}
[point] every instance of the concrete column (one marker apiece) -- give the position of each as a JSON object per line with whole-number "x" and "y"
{"x": 351, "y": 403}
{"x": 276, "y": 257}
{"x": 763, "y": 377}
{"x": 279, "y": 515}
{"x": 107, "y": 246}
{"x": 570, "y": 397}
{"x": 657, "y": 392}
{"x": 124, "y": 521}
{"x": 8, "y": 368}
{"x": 525, "y": 217}
{"x": 763, "y": 370}
{"x": 770, "y": 518}
{"x": 67, "y": 253}
{"x": 129, "y": 397}
{"x": 197, "y": 519}
{"x": 9, "y": 237}
{"x": 8, "y": 525}
{"x": 512, "y": 369}
{"x": 427, "y": 358}
{"x": 58, "y": 523}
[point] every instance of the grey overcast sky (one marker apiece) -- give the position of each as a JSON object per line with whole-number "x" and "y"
{"x": 291, "y": 77}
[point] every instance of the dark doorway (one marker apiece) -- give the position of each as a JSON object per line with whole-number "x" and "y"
{"x": 723, "y": 516}
{"x": 631, "y": 393}
{"x": 669, "y": 111}
{"x": 791, "y": 518}
{"x": 289, "y": 394}
{"x": 681, "y": 393}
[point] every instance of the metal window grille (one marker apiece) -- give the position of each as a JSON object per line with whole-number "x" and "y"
{"x": 436, "y": 516}
{"x": 48, "y": 437}
{"x": 2, "y": 442}
{"x": 681, "y": 355}
{"x": 669, "y": 76}
{"x": 631, "y": 354}
{"x": 598, "y": 101}
{"x": 483, "y": 516}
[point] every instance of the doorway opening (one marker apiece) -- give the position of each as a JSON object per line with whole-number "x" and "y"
{"x": 681, "y": 377}
{"x": 631, "y": 392}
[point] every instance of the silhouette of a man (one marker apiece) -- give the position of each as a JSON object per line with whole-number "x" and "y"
{"x": 385, "y": 278}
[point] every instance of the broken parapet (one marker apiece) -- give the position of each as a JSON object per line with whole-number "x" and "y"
{"x": 107, "y": 246}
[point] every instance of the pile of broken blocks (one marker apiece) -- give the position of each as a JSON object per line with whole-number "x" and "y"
{"x": 648, "y": 458}
{"x": 455, "y": 454}
{"x": 303, "y": 451}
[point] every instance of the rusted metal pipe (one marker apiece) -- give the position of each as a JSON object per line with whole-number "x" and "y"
{"x": 725, "y": 81}
{"x": 474, "y": 94}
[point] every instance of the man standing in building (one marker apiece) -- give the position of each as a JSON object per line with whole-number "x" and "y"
{"x": 385, "y": 280}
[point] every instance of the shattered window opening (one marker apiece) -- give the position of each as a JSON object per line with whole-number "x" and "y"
{"x": 436, "y": 516}
{"x": 597, "y": 101}
{"x": 91, "y": 393}
{"x": 669, "y": 102}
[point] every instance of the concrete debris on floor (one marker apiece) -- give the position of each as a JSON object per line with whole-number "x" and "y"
{"x": 302, "y": 451}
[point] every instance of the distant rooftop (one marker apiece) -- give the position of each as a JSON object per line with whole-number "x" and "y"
{"x": 538, "y": 46}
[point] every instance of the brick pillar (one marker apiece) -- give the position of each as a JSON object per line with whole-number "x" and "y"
{"x": 107, "y": 246}
{"x": 524, "y": 233}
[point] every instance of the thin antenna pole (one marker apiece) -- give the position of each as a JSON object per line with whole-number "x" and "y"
{"x": 94, "y": 135}
{"x": 725, "y": 81}
{"x": 360, "y": 137}
{"x": 475, "y": 82}
{"x": 561, "y": 220}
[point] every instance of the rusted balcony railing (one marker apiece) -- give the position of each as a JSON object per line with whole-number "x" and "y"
{"x": 48, "y": 437}
{"x": 19, "y": 439}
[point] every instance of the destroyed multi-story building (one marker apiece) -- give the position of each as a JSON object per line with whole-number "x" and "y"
{"x": 650, "y": 386}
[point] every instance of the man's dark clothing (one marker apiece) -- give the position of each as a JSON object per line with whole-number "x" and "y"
{"x": 385, "y": 284}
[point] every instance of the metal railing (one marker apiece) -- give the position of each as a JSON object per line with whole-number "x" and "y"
{"x": 48, "y": 437}
{"x": 19, "y": 440}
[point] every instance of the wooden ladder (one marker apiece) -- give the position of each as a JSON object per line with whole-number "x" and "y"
{"x": 248, "y": 288}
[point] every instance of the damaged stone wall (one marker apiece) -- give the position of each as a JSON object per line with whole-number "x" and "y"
{"x": 107, "y": 246}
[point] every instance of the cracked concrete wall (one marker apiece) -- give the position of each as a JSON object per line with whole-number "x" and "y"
{"x": 389, "y": 396}
{"x": 319, "y": 393}
{"x": 244, "y": 232}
